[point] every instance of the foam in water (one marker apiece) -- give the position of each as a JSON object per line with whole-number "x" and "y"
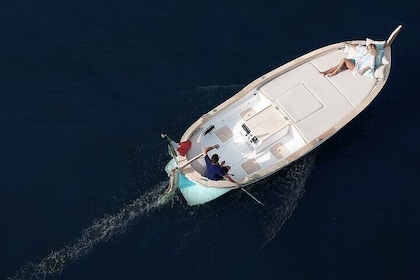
{"x": 291, "y": 189}
{"x": 280, "y": 196}
{"x": 101, "y": 230}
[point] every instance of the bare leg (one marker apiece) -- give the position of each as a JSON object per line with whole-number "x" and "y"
{"x": 344, "y": 64}
{"x": 336, "y": 70}
{"x": 332, "y": 69}
{"x": 226, "y": 169}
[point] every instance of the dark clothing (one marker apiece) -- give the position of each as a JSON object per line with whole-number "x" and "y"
{"x": 214, "y": 171}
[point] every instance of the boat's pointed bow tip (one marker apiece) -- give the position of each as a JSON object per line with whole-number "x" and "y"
{"x": 393, "y": 35}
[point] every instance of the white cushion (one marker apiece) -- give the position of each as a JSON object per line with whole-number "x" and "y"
{"x": 380, "y": 49}
{"x": 380, "y": 72}
{"x": 378, "y": 58}
{"x": 299, "y": 102}
{"x": 335, "y": 105}
{"x": 369, "y": 73}
{"x": 385, "y": 60}
{"x": 379, "y": 44}
{"x": 349, "y": 51}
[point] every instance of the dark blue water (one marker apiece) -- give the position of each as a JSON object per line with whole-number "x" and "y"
{"x": 86, "y": 88}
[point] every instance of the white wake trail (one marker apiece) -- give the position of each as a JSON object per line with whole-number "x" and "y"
{"x": 101, "y": 230}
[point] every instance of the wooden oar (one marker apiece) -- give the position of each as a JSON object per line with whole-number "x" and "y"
{"x": 191, "y": 160}
{"x": 253, "y": 197}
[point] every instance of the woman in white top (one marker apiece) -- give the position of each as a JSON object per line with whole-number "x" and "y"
{"x": 363, "y": 60}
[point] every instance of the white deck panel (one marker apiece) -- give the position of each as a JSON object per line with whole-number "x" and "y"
{"x": 299, "y": 102}
{"x": 354, "y": 89}
{"x": 315, "y": 102}
{"x": 318, "y": 118}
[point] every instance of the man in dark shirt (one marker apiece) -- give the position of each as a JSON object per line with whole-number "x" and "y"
{"x": 214, "y": 170}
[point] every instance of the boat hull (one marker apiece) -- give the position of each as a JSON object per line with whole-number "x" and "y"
{"x": 276, "y": 119}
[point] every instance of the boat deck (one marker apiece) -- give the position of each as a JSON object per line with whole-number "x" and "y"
{"x": 280, "y": 117}
{"x": 316, "y": 103}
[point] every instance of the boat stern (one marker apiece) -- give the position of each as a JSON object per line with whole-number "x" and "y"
{"x": 195, "y": 193}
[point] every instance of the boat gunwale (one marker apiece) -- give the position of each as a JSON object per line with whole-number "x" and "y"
{"x": 266, "y": 78}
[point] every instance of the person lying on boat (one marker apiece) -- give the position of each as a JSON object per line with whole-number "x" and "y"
{"x": 214, "y": 170}
{"x": 363, "y": 60}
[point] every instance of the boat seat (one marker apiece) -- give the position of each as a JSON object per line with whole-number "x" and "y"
{"x": 326, "y": 100}
{"x": 354, "y": 89}
{"x": 279, "y": 150}
{"x": 224, "y": 133}
{"x": 266, "y": 127}
{"x": 247, "y": 114}
{"x": 250, "y": 166}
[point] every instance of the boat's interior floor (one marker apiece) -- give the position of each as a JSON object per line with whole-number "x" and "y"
{"x": 295, "y": 107}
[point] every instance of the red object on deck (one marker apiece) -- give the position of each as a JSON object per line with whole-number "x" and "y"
{"x": 184, "y": 147}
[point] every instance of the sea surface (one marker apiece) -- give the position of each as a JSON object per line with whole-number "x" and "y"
{"x": 86, "y": 89}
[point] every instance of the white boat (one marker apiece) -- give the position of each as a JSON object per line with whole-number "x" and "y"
{"x": 277, "y": 119}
